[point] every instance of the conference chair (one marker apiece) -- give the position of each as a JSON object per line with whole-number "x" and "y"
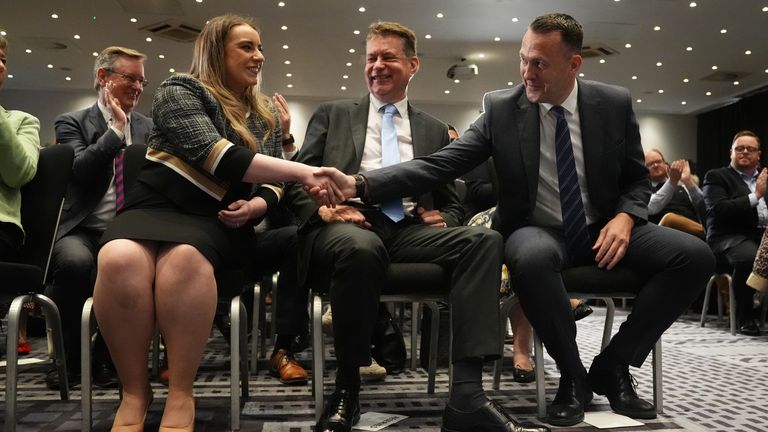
{"x": 41, "y": 204}
{"x": 722, "y": 270}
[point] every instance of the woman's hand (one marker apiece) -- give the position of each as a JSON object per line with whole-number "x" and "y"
{"x": 241, "y": 211}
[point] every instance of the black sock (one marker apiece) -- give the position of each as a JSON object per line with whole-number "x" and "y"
{"x": 348, "y": 378}
{"x": 283, "y": 342}
{"x": 467, "y": 388}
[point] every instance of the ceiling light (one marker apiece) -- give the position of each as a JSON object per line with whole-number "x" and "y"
{"x": 343, "y": 87}
{"x": 496, "y": 39}
{"x": 581, "y": 75}
{"x": 351, "y": 50}
{"x": 634, "y": 77}
{"x": 515, "y": 19}
{"x": 714, "y": 67}
{"x": 766, "y": 71}
{"x": 735, "y": 83}
{"x": 692, "y": 4}
{"x": 287, "y": 62}
{"x": 685, "y": 80}
{"x": 456, "y": 81}
{"x": 628, "y": 45}
{"x": 199, "y": 1}
{"x": 689, "y": 49}
{"x": 28, "y": 51}
{"x": 149, "y": 39}
{"x": 285, "y": 46}
{"x": 76, "y": 36}
{"x": 661, "y": 91}
{"x": 68, "y": 78}
{"x": 656, "y": 28}
{"x": 361, "y": 9}
{"x": 509, "y": 83}
{"x": 481, "y": 55}
{"x": 172, "y": 70}
{"x": 345, "y": 76}
{"x": 708, "y": 93}
{"x": 765, "y": 8}
{"x": 357, "y": 32}
{"x": 281, "y": 4}
{"x": 440, "y": 15}
{"x": 428, "y": 36}
{"x": 289, "y": 74}
{"x": 10, "y": 75}
{"x": 747, "y": 52}
{"x": 284, "y": 27}
{"x": 133, "y": 20}
{"x": 95, "y": 54}
{"x": 162, "y": 56}
{"x": 602, "y": 61}
{"x": 349, "y": 64}
{"x": 290, "y": 86}
{"x": 724, "y": 31}
{"x": 447, "y": 92}
{"x": 2, "y": 32}
{"x": 683, "y": 103}
{"x": 639, "y": 101}
{"x": 659, "y": 64}
{"x": 50, "y": 66}
{"x": 54, "y": 16}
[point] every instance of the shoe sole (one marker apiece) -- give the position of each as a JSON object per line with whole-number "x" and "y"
{"x": 562, "y": 423}
{"x": 643, "y": 415}
{"x": 294, "y": 381}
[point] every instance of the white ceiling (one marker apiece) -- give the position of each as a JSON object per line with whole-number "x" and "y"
{"x": 320, "y": 35}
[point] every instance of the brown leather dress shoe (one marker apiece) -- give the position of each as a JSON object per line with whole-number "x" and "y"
{"x": 283, "y": 365}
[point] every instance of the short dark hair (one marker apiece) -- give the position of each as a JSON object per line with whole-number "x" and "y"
{"x": 570, "y": 30}
{"x": 387, "y": 28}
{"x": 747, "y": 133}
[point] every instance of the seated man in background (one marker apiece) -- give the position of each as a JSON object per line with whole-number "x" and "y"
{"x": 98, "y": 134}
{"x": 676, "y": 198}
{"x": 736, "y": 218}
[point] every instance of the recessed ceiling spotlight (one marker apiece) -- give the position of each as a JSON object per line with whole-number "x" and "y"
{"x": 736, "y": 83}
{"x": 172, "y": 70}
{"x": 161, "y": 56}
{"x": 683, "y": 103}
{"x": 689, "y": 49}
{"x": 456, "y": 81}
{"x": 765, "y": 8}
{"x": 496, "y": 39}
{"x": 581, "y": 75}
{"x": 714, "y": 67}
{"x": 766, "y": 71}
{"x": 509, "y": 83}
{"x": 634, "y": 77}
{"x": 2, "y": 32}
{"x": 289, "y": 74}
{"x": 602, "y": 61}
{"x": 747, "y": 52}
{"x": 76, "y": 36}
{"x": 656, "y": 28}
{"x": 28, "y": 51}
{"x": 343, "y": 87}
{"x": 685, "y": 80}
{"x": 10, "y": 75}
{"x": 447, "y": 92}
{"x": 481, "y": 55}
{"x": 345, "y": 76}
{"x": 285, "y": 46}
{"x": 50, "y": 66}
{"x": 95, "y": 54}
{"x": 361, "y": 9}
{"x": 659, "y": 64}
{"x": 723, "y": 31}
{"x": 661, "y": 91}
{"x": 68, "y": 78}
{"x": 284, "y": 27}
{"x": 133, "y": 20}
{"x": 357, "y": 32}
{"x": 428, "y": 36}
{"x": 351, "y": 50}
{"x": 627, "y": 45}
{"x": 287, "y": 62}
{"x": 709, "y": 93}
{"x": 349, "y": 64}
{"x": 440, "y": 15}
{"x": 281, "y": 4}
{"x": 199, "y": 1}
{"x": 692, "y": 4}
{"x": 54, "y": 16}
{"x": 515, "y": 19}
{"x": 290, "y": 86}
{"x": 639, "y": 101}
{"x": 149, "y": 39}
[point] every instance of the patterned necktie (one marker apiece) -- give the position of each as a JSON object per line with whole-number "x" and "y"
{"x": 390, "y": 155}
{"x": 574, "y": 218}
{"x": 119, "y": 186}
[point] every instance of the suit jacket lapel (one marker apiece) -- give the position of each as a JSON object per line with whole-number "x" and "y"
{"x": 528, "y": 137}
{"x": 593, "y": 144}
{"x": 418, "y": 132}
{"x": 97, "y": 119}
{"x": 358, "y": 113}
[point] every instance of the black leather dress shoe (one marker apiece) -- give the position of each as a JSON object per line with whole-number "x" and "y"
{"x": 52, "y": 378}
{"x": 490, "y": 417}
{"x": 342, "y": 411}
{"x": 523, "y": 375}
{"x": 748, "y": 328}
{"x": 567, "y": 409}
{"x": 104, "y": 375}
{"x": 581, "y": 311}
{"x": 613, "y": 380}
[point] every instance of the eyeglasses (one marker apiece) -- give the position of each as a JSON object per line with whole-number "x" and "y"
{"x": 130, "y": 78}
{"x": 745, "y": 149}
{"x": 654, "y": 163}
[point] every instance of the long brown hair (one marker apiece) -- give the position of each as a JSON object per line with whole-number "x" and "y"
{"x": 208, "y": 66}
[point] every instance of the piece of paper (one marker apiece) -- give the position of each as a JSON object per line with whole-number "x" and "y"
{"x": 373, "y": 421}
{"x": 608, "y": 420}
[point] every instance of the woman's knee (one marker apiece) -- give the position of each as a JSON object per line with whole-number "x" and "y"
{"x": 184, "y": 262}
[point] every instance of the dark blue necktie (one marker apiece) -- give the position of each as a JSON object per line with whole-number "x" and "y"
{"x": 574, "y": 218}
{"x": 390, "y": 155}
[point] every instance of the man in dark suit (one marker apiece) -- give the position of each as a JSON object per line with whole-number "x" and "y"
{"x": 350, "y": 246}
{"x": 98, "y": 134}
{"x": 736, "y": 218}
{"x": 589, "y": 142}
{"x": 676, "y": 198}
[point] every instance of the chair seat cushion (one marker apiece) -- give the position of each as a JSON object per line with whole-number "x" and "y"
{"x": 20, "y": 278}
{"x": 594, "y": 280}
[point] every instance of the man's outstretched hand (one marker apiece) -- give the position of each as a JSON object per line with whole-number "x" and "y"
{"x": 332, "y": 186}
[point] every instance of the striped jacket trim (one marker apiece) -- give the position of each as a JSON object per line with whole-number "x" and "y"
{"x": 208, "y": 185}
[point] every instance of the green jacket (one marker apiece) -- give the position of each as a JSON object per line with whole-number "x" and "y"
{"x": 19, "y": 150}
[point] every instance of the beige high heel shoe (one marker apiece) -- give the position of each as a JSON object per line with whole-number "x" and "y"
{"x": 188, "y": 428}
{"x": 117, "y": 425}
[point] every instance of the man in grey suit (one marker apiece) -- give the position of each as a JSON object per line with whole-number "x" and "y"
{"x": 97, "y": 134}
{"x": 553, "y": 137}
{"x": 350, "y": 246}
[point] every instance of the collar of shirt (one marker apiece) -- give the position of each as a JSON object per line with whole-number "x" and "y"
{"x": 402, "y": 106}
{"x": 569, "y": 104}
{"x": 107, "y": 113}
{"x": 746, "y": 177}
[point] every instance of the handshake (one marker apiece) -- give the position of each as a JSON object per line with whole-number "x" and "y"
{"x": 328, "y": 186}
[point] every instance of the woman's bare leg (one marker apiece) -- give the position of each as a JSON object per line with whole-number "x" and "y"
{"x": 521, "y": 328}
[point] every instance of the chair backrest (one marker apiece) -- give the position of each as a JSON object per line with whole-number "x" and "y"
{"x": 41, "y": 204}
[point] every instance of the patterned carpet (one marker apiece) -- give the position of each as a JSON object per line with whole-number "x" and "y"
{"x": 712, "y": 382}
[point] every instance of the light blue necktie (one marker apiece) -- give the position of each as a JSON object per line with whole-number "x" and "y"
{"x": 390, "y": 155}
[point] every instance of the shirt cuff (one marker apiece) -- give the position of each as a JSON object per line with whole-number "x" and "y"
{"x": 752, "y": 199}
{"x": 120, "y": 134}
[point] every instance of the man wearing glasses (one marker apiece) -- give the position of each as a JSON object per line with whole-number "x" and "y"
{"x": 676, "y": 200}
{"x": 98, "y": 134}
{"x": 736, "y": 218}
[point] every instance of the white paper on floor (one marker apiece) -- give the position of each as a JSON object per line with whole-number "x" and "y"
{"x": 607, "y": 420}
{"x": 373, "y": 421}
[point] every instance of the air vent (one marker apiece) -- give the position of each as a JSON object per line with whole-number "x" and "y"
{"x": 597, "y": 50}
{"x": 725, "y": 76}
{"x": 174, "y": 30}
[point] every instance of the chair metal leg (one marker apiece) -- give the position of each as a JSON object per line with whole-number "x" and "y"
{"x": 705, "y": 305}
{"x": 12, "y": 358}
{"x": 505, "y": 307}
{"x": 234, "y": 363}
{"x": 273, "y": 308}
{"x": 434, "y": 334}
{"x": 764, "y": 309}
{"x": 255, "y": 326}
{"x": 658, "y": 393}
{"x": 414, "y": 333}
{"x": 244, "y": 360}
{"x": 86, "y": 330}
{"x": 732, "y": 305}
{"x": 610, "y": 313}
{"x": 317, "y": 355}
{"x": 541, "y": 397}
{"x": 53, "y": 320}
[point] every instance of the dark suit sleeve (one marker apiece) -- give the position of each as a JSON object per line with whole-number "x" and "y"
{"x": 91, "y": 158}
{"x": 635, "y": 189}
{"x": 721, "y": 201}
{"x": 446, "y": 199}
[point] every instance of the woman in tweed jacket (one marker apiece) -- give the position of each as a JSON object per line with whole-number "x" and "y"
{"x": 189, "y": 214}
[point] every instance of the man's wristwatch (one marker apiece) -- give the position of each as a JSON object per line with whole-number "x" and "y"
{"x": 289, "y": 140}
{"x": 360, "y": 185}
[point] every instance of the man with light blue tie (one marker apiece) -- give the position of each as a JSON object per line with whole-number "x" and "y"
{"x": 348, "y": 248}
